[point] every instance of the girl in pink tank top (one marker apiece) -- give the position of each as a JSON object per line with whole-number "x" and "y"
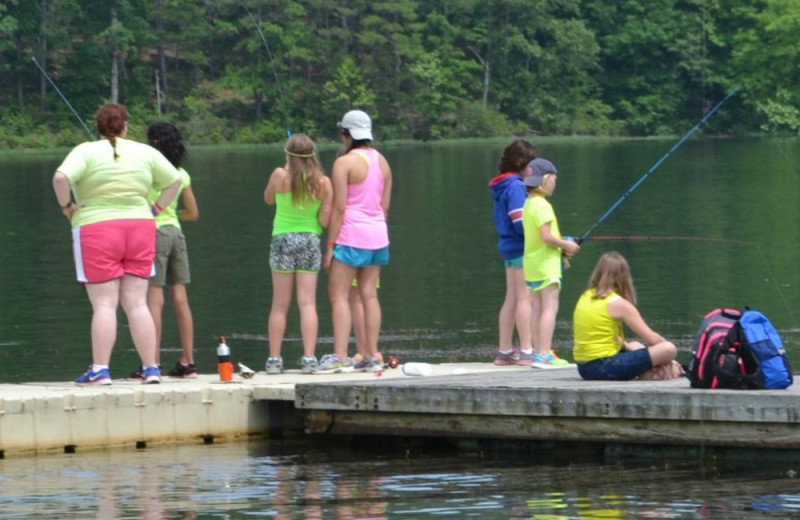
{"x": 358, "y": 241}
{"x": 364, "y": 223}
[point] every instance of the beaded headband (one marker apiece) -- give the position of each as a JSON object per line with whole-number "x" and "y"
{"x": 299, "y": 155}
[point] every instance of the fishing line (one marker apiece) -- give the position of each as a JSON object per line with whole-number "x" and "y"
{"x": 653, "y": 168}
{"x": 644, "y": 238}
{"x": 65, "y": 99}
{"x": 777, "y": 286}
{"x": 274, "y": 72}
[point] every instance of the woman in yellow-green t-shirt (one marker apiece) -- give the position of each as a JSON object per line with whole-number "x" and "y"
{"x": 600, "y": 348}
{"x": 113, "y": 233}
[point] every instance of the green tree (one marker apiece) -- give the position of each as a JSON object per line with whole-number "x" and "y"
{"x": 767, "y": 61}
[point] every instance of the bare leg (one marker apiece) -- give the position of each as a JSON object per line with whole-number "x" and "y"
{"x": 536, "y": 316}
{"x": 662, "y": 356}
{"x": 505, "y": 321}
{"x": 357, "y": 312}
{"x": 155, "y": 302}
{"x": 307, "y": 303}
{"x": 522, "y": 307}
{"x": 547, "y": 318}
{"x": 133, "y": 295}
{"x": 367, "y": 288}
{"x": 104, "y": 298}
{"x": 662, "y": 353}
{"x": 281, "y": 298}
{"x": 339, "y": 280}
{"x": 180, "y": 300}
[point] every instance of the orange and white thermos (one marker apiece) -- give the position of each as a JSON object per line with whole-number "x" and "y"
{"x": 224, "y": 365}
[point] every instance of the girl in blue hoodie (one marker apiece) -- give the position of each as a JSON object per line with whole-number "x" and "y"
{"x": 509, "y": 197}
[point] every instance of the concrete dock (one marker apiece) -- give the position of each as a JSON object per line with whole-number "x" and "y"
{"x": 456, "y": 401}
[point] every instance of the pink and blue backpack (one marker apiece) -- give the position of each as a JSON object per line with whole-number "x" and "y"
{"x": 738, "y": 350}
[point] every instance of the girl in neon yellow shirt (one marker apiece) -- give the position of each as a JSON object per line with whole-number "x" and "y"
{"x": 600, "y": 348}
{"x": 542, "y": 260}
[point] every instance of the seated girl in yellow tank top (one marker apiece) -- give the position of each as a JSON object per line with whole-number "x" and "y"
{"x": 600, "y": 348}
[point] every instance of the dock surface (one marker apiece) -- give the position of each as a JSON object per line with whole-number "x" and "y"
{"x": 457, "y": 401}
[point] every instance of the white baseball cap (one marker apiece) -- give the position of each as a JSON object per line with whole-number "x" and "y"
{"x": 358, "y": 123}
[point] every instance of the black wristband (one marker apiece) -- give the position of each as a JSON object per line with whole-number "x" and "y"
{"x": 68, "y": 204}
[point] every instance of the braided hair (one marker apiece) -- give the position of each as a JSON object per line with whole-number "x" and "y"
{"x": 110, "y": 120}
{"x": 167, "y": 139}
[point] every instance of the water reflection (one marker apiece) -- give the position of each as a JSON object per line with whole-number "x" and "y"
{"x": 302, "y": 482}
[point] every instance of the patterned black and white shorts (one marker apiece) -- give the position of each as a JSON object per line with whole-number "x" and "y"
{"x": 295, "y": 252}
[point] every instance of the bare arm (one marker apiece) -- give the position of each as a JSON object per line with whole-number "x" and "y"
{"x": 340, "y": 176}
{"x": 61, "y": 188}
{"x": 272, "y": 186}
{"x": 190, "y": 211}
{"x": 168, "y": 195}
{"x": 570, "y": 248}
{"x": 387, "y": 187}
{"x": 327, "y": 203}
{"x": 622, "y": 309}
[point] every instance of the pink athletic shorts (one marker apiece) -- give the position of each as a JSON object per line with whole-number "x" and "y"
{"x": 108, "y": 250}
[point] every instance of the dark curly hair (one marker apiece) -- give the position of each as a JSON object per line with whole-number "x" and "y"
{"x": 516, "y": 156}
{"x": 167, "y": 139}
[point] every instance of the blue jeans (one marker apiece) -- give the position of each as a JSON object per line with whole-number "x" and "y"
{"x": 623, "y": 366}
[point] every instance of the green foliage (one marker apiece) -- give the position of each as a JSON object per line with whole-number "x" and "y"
{"x": 474, "y": 119}
{"x": 347, "y": 90}
{"x": 780, "y": 114}
{"x": 245, "y": 70}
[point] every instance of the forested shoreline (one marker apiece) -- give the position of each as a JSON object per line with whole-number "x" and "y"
{"x": 245, "y": 71}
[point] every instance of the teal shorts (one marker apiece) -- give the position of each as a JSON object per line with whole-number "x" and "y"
{"x": 538, "y": 285}
{"x": 355, "y": 257}
{"x": 516, "y": 263}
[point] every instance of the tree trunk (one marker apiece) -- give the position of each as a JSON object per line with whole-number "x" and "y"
{"x": 487, "y": 74}
{"x": 258, "y": 96}
{"x": 162, "y": 58}
{"x": 43, "y": 56}
{"x": 114, "y": 59}
{"x": 20, "y": 88}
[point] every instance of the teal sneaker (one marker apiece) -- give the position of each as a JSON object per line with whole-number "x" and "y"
{"x": 549, "y": 360}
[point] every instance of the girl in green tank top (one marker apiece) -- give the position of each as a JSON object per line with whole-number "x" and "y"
{"x": 303, "y": 196}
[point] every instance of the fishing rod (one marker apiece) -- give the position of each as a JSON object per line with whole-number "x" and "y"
{"x": 274, "y": 72}
{"x": 669, "y": 238}
{"x": 653, "y": 168}
{"x": 83, "y": 124}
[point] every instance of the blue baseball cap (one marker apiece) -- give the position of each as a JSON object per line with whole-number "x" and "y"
{"x": 539, "y": 168}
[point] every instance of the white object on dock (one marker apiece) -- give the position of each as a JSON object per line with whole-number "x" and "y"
{"x": 417, "y": 369}
{"x": 245, "y": 371}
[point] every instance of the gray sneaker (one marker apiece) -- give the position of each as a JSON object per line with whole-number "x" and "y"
{"x": 360, "y": 363}
{"x": 374, "y": 365}
{"x": 274, "y": 365}
{"x": 524, "y": 358}
{"x": 506, "y": 358}
{"x": 308, "y": 364}
{"x": 331, "y": 364}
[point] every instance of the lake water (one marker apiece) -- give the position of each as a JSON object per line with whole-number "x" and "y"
{"x": 256, "y": 480}
{"x": 445, "y": 283}
{"x": 732, "y": 203}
